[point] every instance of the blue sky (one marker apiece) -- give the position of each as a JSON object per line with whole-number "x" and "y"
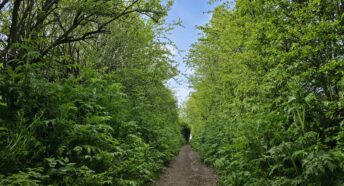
{"x": 192, "y": 13}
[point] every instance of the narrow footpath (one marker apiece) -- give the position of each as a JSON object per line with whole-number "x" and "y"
{"x": 187, "y": 170}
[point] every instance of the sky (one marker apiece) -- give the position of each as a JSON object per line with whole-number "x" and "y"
{"x": 192, "y": 13}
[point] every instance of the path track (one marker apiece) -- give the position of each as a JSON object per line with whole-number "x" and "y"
{"x": 187, "y": 170}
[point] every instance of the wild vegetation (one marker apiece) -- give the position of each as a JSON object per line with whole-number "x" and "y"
{"x": 83, "y": 99}
{"x": 268, "y": 104}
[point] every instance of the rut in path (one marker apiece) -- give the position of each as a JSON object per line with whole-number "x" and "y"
{"x": 187, "y": 170}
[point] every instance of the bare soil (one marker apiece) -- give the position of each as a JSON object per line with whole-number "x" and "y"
{"x": 187, "y": 170}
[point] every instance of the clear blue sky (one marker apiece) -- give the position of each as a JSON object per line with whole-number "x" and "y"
{"x": 192, "y": 13}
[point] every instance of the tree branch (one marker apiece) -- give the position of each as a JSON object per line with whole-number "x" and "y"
{"x": 2, "y": 4}
{"x": 65, "y": 38}
{"x": 47, "y": 9}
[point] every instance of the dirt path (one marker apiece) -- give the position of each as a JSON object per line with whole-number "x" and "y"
{"x": 187, "y": 170}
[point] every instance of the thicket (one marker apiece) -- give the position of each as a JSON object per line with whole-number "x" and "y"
{"x": 83, "y": 99}
{"x": 268, "y": 104}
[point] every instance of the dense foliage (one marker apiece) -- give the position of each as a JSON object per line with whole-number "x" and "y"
{"x": 268, "y": 104}
{"x": 83, "y": 99}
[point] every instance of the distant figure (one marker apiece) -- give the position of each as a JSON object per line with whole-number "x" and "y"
{"x": 190, "y": 138}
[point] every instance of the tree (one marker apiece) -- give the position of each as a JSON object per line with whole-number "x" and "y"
{"x": 269, "y": 112}
{"x": 83, "y": 99}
